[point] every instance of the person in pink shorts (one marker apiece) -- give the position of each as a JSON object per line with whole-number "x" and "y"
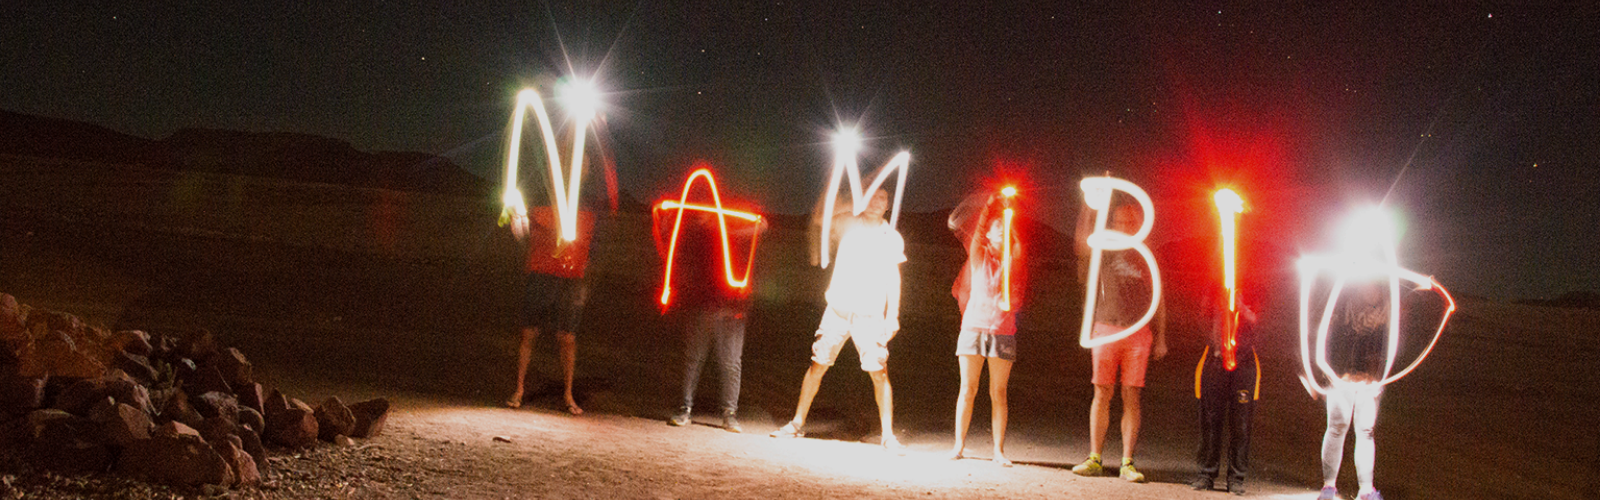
{"x": 1124, "y": 296}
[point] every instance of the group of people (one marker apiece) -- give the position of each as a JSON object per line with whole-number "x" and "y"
{"x": 863, "y": 304}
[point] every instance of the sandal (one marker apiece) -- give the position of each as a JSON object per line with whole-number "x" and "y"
{"x": 788, "y": 431}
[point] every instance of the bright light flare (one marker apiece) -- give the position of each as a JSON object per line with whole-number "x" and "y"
{"x": 1005, "y": 258}
{"x": 582, "y": 102}
{"x": 683, "y": 205}
{"x": 1229, "y": 206}
{"x": 1097, "y": 194}
{"x": 1356, "y": 262}
{"x": 846, "y": 144}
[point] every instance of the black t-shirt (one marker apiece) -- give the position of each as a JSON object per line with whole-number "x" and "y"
{"x": 1125, "y": 286}
{"x": 698, "y": 277}
{"x": 1214, "y": 308}
{"x": 1358, "y": 334}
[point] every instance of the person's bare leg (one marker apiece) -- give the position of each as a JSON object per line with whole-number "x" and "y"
{"x": 1099, "y": 418}
{"x": 885, "y": 395}
{"x": 999, "y": 378}
{"x": 1130, "y": 420}
{"x": 808, "y": 390}
{"x": 524, "y": 355}
{"x": 971, "y": 370}
{"x": 569, "y": 364}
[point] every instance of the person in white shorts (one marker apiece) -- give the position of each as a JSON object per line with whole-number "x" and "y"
{"x": 864, "y": 306}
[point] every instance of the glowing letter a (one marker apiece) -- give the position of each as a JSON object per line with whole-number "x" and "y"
{"x": 722, "y": 222}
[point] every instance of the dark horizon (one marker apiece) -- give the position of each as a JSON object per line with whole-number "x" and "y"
{"x": 1476, "y": 123}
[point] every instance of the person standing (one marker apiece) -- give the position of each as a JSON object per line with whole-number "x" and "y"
{"x": 554, "y": 293}
{"x": 713, "y": 312}
{"x": 1124, "y": 293}
{"x": 1357, "y": 344}
{"x": 863, "y": 306}
{"x": 1227, "y": 397}
{"x": 988, "y": 327}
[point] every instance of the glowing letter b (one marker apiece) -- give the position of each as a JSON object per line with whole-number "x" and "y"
{"x": 1097, "y": 193}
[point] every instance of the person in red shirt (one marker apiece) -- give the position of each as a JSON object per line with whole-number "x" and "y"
{"x": 554, "y": 292}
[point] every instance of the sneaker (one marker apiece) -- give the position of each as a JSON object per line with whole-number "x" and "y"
{"x": 730, "y": 423}
{"x": 681, "y": 418}
{"x": 1236, "y": 488}
{"x": 1371, "y": 495}
{"x": 1090, "y": 467}
{"x": 1328, "y": 493}
{"x": 1128, "y": 473}
{"x": 894, "y": 446}
{"x": 788, "y": 431}
{"x": 1202, "y": 483}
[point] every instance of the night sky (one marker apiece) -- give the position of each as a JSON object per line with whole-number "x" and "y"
{"x": 1478, "y": 122}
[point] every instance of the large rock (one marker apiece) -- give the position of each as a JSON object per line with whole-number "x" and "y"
{"x": 234, "y": 368}
{"x": 58, "y": 354}
{"x": 122, "y": 424}
{"x": 175, "y": 455}
{"x": 42, "y": 321}
{"x": 71, "y": 444}
{"x": 79, "y": 396}
{"x": 216, "y": 404}
{"x": 293, "y": 427}
{"x": 134, "y": 365}
{"x": 275, "y": 403}
{"x": 240, "y": 462}
{"x": 334, "y": 419}
{"x": 370, "y": 417}
{"x": 19, "y": 393}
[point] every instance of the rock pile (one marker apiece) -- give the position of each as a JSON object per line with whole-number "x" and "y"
{"x": 180, "y": 410}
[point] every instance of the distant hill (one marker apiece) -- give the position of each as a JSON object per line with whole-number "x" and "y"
{"x": 301, "y": 157}
{"x": 1569, "y": 300}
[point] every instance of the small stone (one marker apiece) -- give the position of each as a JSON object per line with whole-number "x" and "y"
{"x": 123, "y": 424}
{"x": 502, "y": 439}
{"x": 293, "y": 428}
{"x": 343, "y": 441}
{"x": 370, "y": 417}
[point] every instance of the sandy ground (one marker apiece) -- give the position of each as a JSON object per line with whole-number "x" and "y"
{"x": 362, "y": 293}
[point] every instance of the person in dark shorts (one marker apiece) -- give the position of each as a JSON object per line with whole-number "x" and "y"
{"x": 1227, "y": 397}
{"x": 712, "y": 310}
{"x": 554, "y": 294}
{"x": 988, "y": 327}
